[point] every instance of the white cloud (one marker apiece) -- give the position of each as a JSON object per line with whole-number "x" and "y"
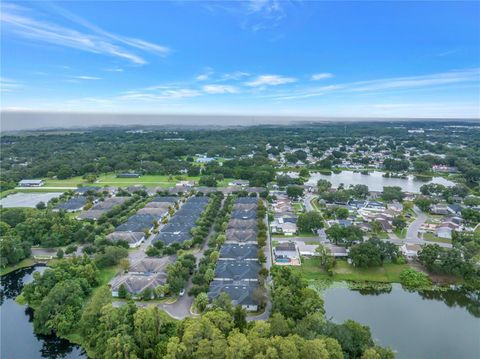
{"x": 409, "y": 82}
{"x": 115, "y": 69}
{"x": 321, "y": 76}
{"x": 270, "y": 80}
{"x": 205, "y": 75}
{"x": 219, "y": 89}
{"x": 160, "y": 96}
{"x": 87, "y": 78}
{"x": 18, "y": 20}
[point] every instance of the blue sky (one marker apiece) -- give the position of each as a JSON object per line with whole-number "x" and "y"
{"x": 392, "y": 58}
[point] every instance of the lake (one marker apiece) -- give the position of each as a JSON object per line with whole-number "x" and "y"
{"x": 18, "y": 341}
{"x": 426, "y": 325}
{"x": 375, "y": 181}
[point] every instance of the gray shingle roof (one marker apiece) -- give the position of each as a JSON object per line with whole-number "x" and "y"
{"x": 73, "y": 204}
{"x": 239, "y": 251}
{"x": 240, "y": 294}
{"x": 237, "y": 270}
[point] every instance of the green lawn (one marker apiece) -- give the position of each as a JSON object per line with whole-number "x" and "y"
{"x": 343, "y": 271}
{"x": 27, "y": 262}
{"x": 430, "y": 237}
{"x": 112, "y": 180}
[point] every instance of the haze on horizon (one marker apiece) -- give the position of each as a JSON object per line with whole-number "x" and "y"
{"x": 259, "y": 57}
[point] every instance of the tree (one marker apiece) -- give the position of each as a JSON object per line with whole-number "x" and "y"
{"x": 365, "y": 255}
{"x": 360, "y": 191}
{"x": 412, "y": 278}
{"x": 323, "y": 185}
{"x": 309, "y": 221}
{"x": 60, "y": 253}
{"x": 341, "y": 213}
{"x": 294, "y": 191}
{"x": 423, "y": 202}
{"x": 208, "y": 181}
{"x": 399, "y": 222}
{"x": 394, "y": 193}
{"x": 240, "y": 318}
{"x": 201, "y": 301}
{"x": 327, "y": 261}
{"x": 122, "y": 291}
{"x": 41, "y": 205}
{"x": 422, "y": 166}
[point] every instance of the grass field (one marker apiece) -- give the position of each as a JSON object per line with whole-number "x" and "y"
{"x": 430, "y": 237}
{"x": 112, "y": 180}
{"x": 388, "y": 273}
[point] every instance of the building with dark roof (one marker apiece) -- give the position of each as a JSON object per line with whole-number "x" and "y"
{"x": 242, "y": 294}
{"x": 231, "y": 251}
{"x": 134, "y": 239}
{"x": 241, "y": 236}
{"x": 237, "y": 270}
{"x": 138, "y": 223}
{"x": 72, "y": 205}
{"x": 242, "y": 224}
{"x": 244, "y": 214}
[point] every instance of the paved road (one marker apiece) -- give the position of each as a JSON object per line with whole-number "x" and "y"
{"x": 307, "y": 201}
{"x": 414, "y": 227}
{"x": 181, "y": 308}
{"x": 268, "y": 264}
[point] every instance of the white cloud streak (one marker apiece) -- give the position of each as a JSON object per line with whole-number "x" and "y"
{"x": 18, "y": 20}
{"x": 219, "y": 89}
{"x": 88, "y": 78}
{"x": 270, "y": 80}
{"x": 321, "y": 76}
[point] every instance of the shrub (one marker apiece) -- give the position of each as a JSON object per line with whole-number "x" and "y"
{"x": 412, "y": 278}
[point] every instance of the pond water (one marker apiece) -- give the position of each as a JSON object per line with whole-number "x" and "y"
{"x": 375, "y": 181}
{"x": 18, "y": 341}
{"x": 420, "y": 325}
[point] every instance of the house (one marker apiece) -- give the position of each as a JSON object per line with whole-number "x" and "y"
{"x": 455, "y": 208}
{"x": 101, "y": 208}
{"x": 248, "y": 236}
{"x": 87, "y": 190}
{"x": 356, "y": 204}
{"x": 135, "y": 284}
{"x": 344, "y": 222}
{"x": 72, "y": 205}
{"x": 31, "y": 183}
{"x": 158, "y": 213}
{"x": 244, "y": 214}
{"x": 151, "y": 265}
{"x": 306, "y": 250}
{"x": 242, "y": 224}
{"x": 395, "y": 207}
{"x": 237, "y": 270}
{"x": 410, "y": 250}
{"x": 138, "y": 223}
{"x": 337, "y": 251}
{"x": 166, "y": 199}
{"x": 441, "y": 209}
{"x": 374, "y": 206}
{"x": 134, "y": 239}
{"x": 185, "y": 185}
{"x": 231, "y": 251}
{"x": 280, "y": 225}
{"x": 444, "y": 232}
{"x": 241, "y": 183}
{"x": 286, "y": 253}
{"x": 128, "y": 175}
{"x": 204, "y": 159}
{"x": 240, "y": 293}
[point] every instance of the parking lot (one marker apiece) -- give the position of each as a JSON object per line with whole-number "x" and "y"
{"x": 27, "y": 199}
